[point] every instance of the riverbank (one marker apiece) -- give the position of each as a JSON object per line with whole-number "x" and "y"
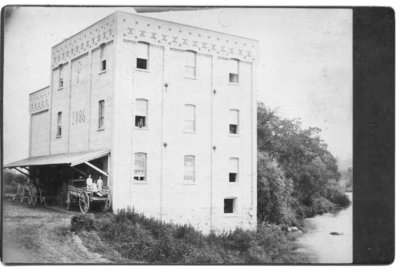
{"x": 141, "y": 239}
{"x": 320, "y": 245}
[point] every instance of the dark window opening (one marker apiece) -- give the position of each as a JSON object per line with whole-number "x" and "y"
{"x": 232, "y": 177}
{"x": 229, "y": 205}
{"x": 233, "y": 129}
{"x": 61, "y": 83}
{"x": 103, "y": 65}
{"x": 141, "y": 63}
{"x": 140, "y": 121}
{"x": 234, "y": 78}
{"x": 59, "y": 131}
{"x": 138, "y": 178}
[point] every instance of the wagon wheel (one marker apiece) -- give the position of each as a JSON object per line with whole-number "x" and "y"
{"x": 107, "y": 205}
{"x": 68, "y": 201}
{"x": 84, "y": 202}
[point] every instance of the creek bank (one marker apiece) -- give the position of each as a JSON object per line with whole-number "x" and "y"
{"x": 319, "y": 244}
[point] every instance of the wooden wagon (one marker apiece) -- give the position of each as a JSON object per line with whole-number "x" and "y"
{"x": 30, "y": 193}
{"x": 78, "y": 193}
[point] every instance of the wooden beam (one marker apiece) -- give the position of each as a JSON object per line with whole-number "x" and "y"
{"x": 96, "y": 168}
{"x": 22, "y": 172}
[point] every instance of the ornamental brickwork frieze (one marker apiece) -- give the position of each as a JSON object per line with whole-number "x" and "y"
{"x": 39, "y": 101}
{"x": 203, "y": 41}
{"x": 84, "y": 41}
{"x": 156, "y": 32}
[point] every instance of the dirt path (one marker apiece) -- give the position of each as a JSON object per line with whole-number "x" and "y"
{"x": 41, "y": 235}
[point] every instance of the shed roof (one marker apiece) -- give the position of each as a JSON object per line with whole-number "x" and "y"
{"x": 71, "y": 159}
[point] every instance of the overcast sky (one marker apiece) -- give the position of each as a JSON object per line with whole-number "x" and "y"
{"x": 305, "y": 66}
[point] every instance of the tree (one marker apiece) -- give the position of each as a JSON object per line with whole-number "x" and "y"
{"x": 301, "y": 157}
{"x": 275, "y": 202}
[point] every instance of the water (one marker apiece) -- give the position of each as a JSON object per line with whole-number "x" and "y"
{"x": 323, "y": 247}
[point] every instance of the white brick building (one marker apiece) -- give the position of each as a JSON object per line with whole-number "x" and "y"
{"x": 167, "y": 111}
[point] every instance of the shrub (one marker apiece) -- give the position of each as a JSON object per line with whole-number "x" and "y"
{"x": 274, "y": 191}
{"x": 82, "y": 222}
{"x": 318, "y": 205}
{"x": 139, "y": 238}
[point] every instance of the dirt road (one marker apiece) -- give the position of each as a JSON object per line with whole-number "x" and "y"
{"x": 41, "y": 235}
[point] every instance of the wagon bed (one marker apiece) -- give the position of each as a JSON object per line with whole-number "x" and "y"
{"x": 84, "y": 196}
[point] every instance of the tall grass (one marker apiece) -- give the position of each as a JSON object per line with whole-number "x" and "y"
{"x": 139, "y": 238}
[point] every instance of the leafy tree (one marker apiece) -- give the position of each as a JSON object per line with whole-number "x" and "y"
{"x": 302, "y": 158}
{"x": 275, "y": 202}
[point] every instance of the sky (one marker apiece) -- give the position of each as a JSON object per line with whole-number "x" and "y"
{"x": 304, "y": 67}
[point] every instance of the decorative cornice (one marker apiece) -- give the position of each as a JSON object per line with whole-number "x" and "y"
{"x": 39, "y": 101}
{"x": 84, "y": 41}
{"x": 132, "y": 28}
{"x": 182, "y": 37}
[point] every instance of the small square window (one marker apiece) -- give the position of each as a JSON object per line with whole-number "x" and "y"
{"x": 233, "y": 78}
{"x": 140, "y": 121}
{"x": 233, "y": 129}
{"x": 141, "y": 64}
{"x": 232, "y": 177}
{"x": 229, "y": 205}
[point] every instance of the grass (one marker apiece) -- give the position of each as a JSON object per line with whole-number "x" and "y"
{"x": 136, "y": 238}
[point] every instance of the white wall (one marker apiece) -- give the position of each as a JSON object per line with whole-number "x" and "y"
{"x": 165, "y": 195}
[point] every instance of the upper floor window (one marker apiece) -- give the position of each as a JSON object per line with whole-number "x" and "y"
{"x": 142, "y": 55}
{"x": 233, "y": 169}
{"x": 234, "y": 71}
{"x": 190, "y": 64}
{"x": 59, "y": 124}
{"x": 190, "y": 118}
{"x": 141, "y": 113}
{"x": 233, "y": 121}
{"x": 61, "y": 76}
{"x": 189, "y": 172}
{"x": 103, "y": 60}
{"x": 140, "y": 166}
{"x": 101, "y": 114}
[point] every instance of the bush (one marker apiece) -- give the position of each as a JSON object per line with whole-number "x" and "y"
{"x": 337, "y": 195}
{"x": 275, "y": 202}
{"x": 82, "y": 222}
{"x": 139, "y": 238}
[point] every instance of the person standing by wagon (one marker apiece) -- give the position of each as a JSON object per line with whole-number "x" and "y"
{"x": 99, "y": 184}
{"x": 89, "y": 182}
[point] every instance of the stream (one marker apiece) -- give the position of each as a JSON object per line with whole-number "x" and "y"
{"x": 323, "y": 247}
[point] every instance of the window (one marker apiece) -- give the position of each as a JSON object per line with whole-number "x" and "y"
{"x": 229, "y": 205}
{"x": 59, "y": 124}
{"x": 190, "y": 118}
{"x": 103, "y": 60}
{"x": 78, "y": 70}
{"x": 61, "y": 76}
{"x": 101, "y": 114}
{"x": 190, "y": 64}
{"x": 140, "y": 166}
{"x": 141, "y": 113}
{"x": 233, "y": 71}
{"x": 142, "y": 55}
{"x": 189, "y": 173}
{"x": 233, "y": 169}
{"x": 233, "y": 121}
